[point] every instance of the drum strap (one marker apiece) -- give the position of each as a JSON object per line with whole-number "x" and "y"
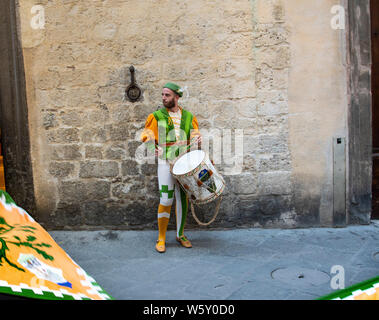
{"x": 214, "y": 216}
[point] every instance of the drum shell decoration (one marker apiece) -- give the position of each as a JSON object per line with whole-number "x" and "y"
{"x": 202, "y": 184}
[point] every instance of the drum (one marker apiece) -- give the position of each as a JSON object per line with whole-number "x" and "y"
{"x": 198, "y": 176}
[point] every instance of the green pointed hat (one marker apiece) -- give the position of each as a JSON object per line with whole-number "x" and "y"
{"x": 174, "y": 87}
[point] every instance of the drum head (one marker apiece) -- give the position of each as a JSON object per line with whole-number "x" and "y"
{"x": 188, "y": 162}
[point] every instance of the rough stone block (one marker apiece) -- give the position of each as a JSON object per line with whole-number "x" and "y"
{"x": 120, "y": 132}
{"x": 248, "y": 107}
{"x": 94, "y": 212}
{"x": 149, "y": 169}
{"x": 71, "y": 118}
{"x": 66, "y": 152}
{"x": 120, "y": 113}
{"x": 63, "y": 135}
{"x": 270, "y": 125}
{"x": 273, "y": 109}
{"x": 245, "y": 183}
{"x": 93, "y": 152}
{"x": 71, "y": 191}
{"x": 273, "y": 143}
{"x": 61, "y": 169}
{"x": 67, "y": 215}
{"x": 115, "y": 152}
{"x": 131, "y": 189}
{"x": 274, "y": 162}
{"x": 275, "y": 57}
{"x": 98, "y": 169}
{"x": 79, "y": 191}
{"x": 270, "y": 35}
{"x": 274, "y": 183}
{"x": 93, "y": 134}
{"x": 129, "y": 168}
{"x": 98, "y": 116}
{"x": 97, "y": 189}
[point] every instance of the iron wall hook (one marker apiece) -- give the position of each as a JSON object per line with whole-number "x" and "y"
{"x": 133, "y": 91}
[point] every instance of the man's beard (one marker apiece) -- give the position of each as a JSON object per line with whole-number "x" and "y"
{"x": 170, "y": 104}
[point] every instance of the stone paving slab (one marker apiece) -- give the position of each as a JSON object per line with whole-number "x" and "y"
{"x": 240, "y": 264}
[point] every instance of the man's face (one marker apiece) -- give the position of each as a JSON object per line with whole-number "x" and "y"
{"x": 169, "y": 98}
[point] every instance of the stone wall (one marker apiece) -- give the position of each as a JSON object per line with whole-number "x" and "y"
{"x": 235, "y": 60}
{"x": 317, "y": 106}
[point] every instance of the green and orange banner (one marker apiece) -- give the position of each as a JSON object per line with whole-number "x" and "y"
{"x": 33, "y": 265}
{"x": 366, "y": 290}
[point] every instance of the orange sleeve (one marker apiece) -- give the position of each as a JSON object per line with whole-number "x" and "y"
{"x": 150, "y": 133}
{"x": 195, "y": 131}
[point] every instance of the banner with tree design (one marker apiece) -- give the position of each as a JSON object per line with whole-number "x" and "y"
{"x": 33, "y": 265}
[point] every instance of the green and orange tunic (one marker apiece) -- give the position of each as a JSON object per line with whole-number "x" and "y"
{"x": 160, "y": 131}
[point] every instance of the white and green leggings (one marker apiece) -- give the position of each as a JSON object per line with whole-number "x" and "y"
{"x": 168, "y": 187}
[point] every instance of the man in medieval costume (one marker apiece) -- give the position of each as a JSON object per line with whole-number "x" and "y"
{"x": 169, "y": 132}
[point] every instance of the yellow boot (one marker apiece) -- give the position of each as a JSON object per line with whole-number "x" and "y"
{"x": 163, "y": 219}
